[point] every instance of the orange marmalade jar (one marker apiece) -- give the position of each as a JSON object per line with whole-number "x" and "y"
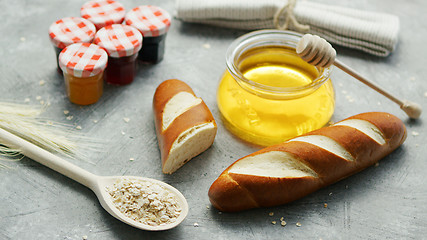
{"x": 83, "y": 67}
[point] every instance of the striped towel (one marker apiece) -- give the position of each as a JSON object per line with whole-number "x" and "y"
{"x": 372, "y": 32}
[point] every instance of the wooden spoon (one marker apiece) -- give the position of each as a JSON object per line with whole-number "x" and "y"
{"x": 97, "y": 184}
{"x": 318, "y": 52}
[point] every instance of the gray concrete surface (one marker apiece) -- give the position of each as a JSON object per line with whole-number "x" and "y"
{"x": 383, "y": 202}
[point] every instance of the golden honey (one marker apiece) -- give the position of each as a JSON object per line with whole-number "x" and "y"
{"x": 269, "y": 94}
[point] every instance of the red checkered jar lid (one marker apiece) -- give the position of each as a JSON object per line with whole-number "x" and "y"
{"x": 103, "y": 12}
{"x": 151, "y": 21}
{"x": 119, "y": 40}
{"x": 71, "y": 30}
{"x": 83, "y": 60}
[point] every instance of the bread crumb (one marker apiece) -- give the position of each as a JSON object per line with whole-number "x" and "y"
{"x": 412, "y": 79}
{"x": 22, "y": 39}
{"x": 27, "y": 100}
{"x": 206, "y": 45}
{"x": 349, "y": 98}
{"x": 69, "y": 117}
{"x": 79, "y": 127}
{"x": 131, "y": 159}
{"x": 95, "y": 121}
{"x": 42, "y": 82}
{"x": 414, "y": 133}
{"x": 207, "y": 207}
{"x": 41, "y": 102}
{"x": 298, "y": 224}
{"x": 66, "y": 112}
{"x": 126, "y": 119}
{"x": 84, "y": 237}
{"x": 283, "y": 223}
{"x": 425, "y": 94}
{"x": 325, "y": 205}
{"x": 271, "y": 214}
{"x": 330, "y": 194}
{"x": 195, "y": 224}
{"x": 273, "y": 222}
{"x": 38, "y": 98}
{"x": 344, "y": 92}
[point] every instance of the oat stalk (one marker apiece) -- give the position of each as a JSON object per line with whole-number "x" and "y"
{"x": 25, "y": 122}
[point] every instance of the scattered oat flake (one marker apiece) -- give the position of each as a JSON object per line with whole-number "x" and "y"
{"x": 66, "y": 112}
{"x": 26, "y": 100}
{"x": 206, "y": 45}
{"x": 69, "y": 117}
{"x": 414, "y": 133}
{"x": 126, "y": 119}
{"x": 195, "y": 224}
{"x": 271, "y": 214}
{"x": 273, "y": 222}
{"x": 42, "y": 82}
{"x": 283, "y": 223}
{"x": 298, "y": 224}
{"x": 79, "y": 127}
{"x": 38, "y": 97}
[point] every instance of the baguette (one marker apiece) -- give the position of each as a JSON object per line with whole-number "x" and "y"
{"x": 291, "y": 170}
{"x": 184, "y": 125}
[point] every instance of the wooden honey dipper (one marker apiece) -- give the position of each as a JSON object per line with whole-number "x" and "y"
{"x": 318, "y": 52}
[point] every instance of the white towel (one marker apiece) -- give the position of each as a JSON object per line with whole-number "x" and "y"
{"x": 372, "y": 32}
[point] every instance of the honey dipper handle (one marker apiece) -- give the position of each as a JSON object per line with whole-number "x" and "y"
{"x": 413, "y": 110}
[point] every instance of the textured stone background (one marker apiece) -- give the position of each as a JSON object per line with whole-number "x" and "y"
{"x": 387, "y": 201}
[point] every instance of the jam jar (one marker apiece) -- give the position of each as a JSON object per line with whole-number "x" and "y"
{"x": 103, "y": 12}
{"x": 268, "y": 94}
{"x": 83, "y": 66}
{"x": 122, "y": 44}
{"x": 153, "y": 23}
{"x": 70, "y": 30}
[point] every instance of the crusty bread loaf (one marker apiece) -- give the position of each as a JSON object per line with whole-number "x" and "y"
{"x": 285, "y": 172}
{"x": 184, "y": 125}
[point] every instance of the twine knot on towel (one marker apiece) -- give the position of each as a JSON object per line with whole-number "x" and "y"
{"x": 288, "y": 9}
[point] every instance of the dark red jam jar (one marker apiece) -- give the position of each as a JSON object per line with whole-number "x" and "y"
{"x": 67, "y": 31}
{"x": 153, "y": 23}
{"x": 122, "y": 44}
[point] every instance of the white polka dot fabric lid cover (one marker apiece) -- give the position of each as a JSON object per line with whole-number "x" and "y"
{"x": 103, "y": 12}
{"x": 71, "y": 30}
{"x": 83, "y": 60}
{"x": 151, "y": 21}
{"x": 119, "y": 40}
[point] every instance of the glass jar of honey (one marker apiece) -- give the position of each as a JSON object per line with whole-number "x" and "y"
{"x": 268, "y": 94}
{"x": 83, "y": 66}
{"x": 122, "y": 44}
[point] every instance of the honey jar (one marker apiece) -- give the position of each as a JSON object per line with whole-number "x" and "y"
{"x": 268, "y": 94}
{"x": 67, "y": 31}
{"x": 83, "y": 66}
{"x": 153, "y": 23}
{"x": 122, "y": 44}
{"x": 103, "y": 12}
